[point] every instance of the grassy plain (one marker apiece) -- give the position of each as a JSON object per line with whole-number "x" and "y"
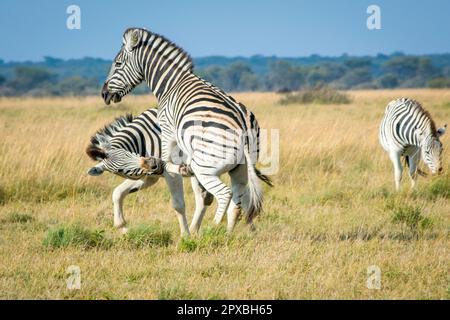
{"x": 332, "y": 213}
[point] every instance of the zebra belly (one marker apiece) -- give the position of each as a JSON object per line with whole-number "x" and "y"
{"x": 215, "y": 151}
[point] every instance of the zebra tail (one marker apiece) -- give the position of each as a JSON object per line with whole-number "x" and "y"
{"x": 264, "y": 178}
{"x": 255, "y": 189}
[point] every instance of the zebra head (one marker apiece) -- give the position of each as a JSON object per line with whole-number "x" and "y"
{"x": 125, "y": 73}
{"x": 118, "y": 161}
{"x": 432, "y": 149}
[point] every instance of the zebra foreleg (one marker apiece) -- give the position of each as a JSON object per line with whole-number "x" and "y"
{"x": 413, "y": 162}
{"x": 119, "y": 194}
{"x": 398, "y": 169}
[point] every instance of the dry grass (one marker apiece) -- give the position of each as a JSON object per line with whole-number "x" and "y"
{"x": 332, "y": 213}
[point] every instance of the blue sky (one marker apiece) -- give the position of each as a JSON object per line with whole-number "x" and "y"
{"x": 32, "y": 29}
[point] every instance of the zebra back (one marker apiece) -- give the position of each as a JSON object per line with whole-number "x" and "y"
{"x": 402, "y": 118}
{"x": 140, "y": 135}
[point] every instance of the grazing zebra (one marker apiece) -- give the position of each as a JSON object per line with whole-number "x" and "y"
{"x": 408, "y": 130}
{"x": 217, "y": 134}
{"x": 121, "y": 147}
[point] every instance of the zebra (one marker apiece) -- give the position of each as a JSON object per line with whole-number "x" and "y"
{"x": 408, "y": 130}
{"x": 121, "y": 147}
{"x": 217, "y": 133}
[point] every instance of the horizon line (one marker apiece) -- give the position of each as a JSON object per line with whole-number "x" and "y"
{"x": 400, "y": 53}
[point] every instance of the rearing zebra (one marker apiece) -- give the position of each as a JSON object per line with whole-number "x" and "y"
{"x": 407, "y": 129}
{"x": 121, "y": 147}
{"x": 217, "y": 134}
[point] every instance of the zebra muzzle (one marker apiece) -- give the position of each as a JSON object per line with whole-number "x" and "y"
{"x": 152, "y": 165}
{"x": 115, "y": 97}
{"x": 108, "y": 96}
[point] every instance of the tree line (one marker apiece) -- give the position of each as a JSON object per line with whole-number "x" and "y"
{"x": 57, "y": 77}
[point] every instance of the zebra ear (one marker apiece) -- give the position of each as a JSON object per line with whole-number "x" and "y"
{"x": 440, "y": 132}
{"x": 132, "y": 39}
{"x": 95, "y": 153}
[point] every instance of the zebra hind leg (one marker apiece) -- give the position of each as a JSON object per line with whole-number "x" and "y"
{"x": 202, "y": 200}
{"x": 219, "y": 190}
{"x": 175, "y": 184}
{"x": 239, "y": 182}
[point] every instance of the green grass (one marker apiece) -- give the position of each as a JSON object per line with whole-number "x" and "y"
{"x": 333, "y": 211}
{"x": 411, "y": 217}
{"x": 74, "y": 235}
{"x": 210, "y": 238}
{"x": 176, "y": 292}
{"x": 438, "y": 188}
{"x": 148, "y": 236}
{"x": 15, "y": 217}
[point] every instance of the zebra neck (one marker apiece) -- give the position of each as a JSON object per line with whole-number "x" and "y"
{"x": 164, "y": 64}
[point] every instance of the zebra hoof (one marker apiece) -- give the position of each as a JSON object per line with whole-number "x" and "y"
{"x": 185, "y": 170}
{"x": 152, "y": 165}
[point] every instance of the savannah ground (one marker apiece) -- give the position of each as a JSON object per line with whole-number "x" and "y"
{"x": 332, "y": 213}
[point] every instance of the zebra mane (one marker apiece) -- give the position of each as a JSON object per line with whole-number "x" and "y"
{"x": 427, "y": 114}
{"x": 101, "y": 140}
{"x": 170, "y": 43}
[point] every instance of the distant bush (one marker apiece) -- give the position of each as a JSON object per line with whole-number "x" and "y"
{"x": 320, "y": 95}
{"x": 439, "y": 83}
{"x": 75, "y": 235}
{"x": 57, "y": 77}
{"x": 388, "y": 81}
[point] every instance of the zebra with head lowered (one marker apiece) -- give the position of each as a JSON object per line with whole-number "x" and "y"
{"x": 217, "y": 134}
{"x": 408, "y": 130}
{"x": 122, "y": 147}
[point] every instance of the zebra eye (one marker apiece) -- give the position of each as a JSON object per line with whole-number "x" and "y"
{"x": 118, "y": 64}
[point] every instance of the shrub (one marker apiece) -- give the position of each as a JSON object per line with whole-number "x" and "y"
{"x": 439, "y": 83}
{"x": 411, "y": 217}
{"x": 320, "y": 95}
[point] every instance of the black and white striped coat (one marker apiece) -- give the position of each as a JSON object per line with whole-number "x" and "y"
{"x": 121, "y": 147}
{"x": 408, "y": 130}
{"x": 216, "y": 133}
